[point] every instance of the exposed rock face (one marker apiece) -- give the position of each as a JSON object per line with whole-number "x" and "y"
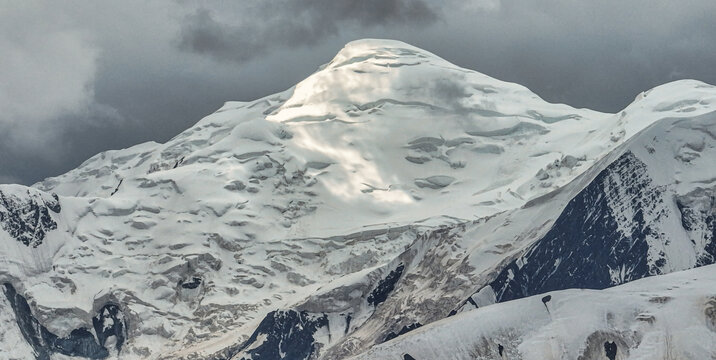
{"x": 81, "y": 342}
{"x": 284, "y": 335}
{"x": 587, "y": 246}
{"x": 110, "y": 322}
{"x": 613, "y": 231}
{"x": 698, "y": 217}
{"x": 385, "y": 286}
{"x": 27, "y": 219}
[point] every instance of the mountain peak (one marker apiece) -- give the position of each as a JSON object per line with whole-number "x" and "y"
{"x": 367, "y": 75}
{"x": 376, "y": 196}
{"x": 391, "y": 52}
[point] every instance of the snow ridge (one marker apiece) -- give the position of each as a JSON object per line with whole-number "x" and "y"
{"x": 281, "y": 224}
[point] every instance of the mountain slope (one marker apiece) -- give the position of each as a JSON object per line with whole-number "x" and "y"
{"x": 665, "y": 317}
{"x": 388, "y": 190}
{"x": 631, "y": 221}
{"x": 620, "y": 221}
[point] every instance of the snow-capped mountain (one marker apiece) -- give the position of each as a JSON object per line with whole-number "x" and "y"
{"x": 387, "y": 191}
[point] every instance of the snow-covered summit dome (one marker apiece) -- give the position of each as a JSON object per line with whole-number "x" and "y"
{"x": 369, "y": 74}
{"x": 335, "y": 184}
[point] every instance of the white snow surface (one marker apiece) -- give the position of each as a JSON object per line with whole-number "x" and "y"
{"x": 14, "y": 346}
{"x": 663, "y": 317}
{"x": 276, "y": 201}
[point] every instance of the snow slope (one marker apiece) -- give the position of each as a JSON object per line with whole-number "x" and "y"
{"x": 387, "y": 189}
{"x": 624, "y": 219}
{"x": 664, "y": 317}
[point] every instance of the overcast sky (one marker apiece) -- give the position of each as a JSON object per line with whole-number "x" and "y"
{"x": 80, "y": 77}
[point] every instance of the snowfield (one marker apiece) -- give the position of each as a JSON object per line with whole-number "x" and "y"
{"x": 388, "y": 191}
{"x": 665, "y": 317}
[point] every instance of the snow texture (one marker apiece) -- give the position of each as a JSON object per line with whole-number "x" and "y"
{"x": 388, "y": 194}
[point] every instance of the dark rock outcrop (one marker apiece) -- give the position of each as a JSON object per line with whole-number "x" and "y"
{"x": 385, "y": 286}
{"x": 286, "y": 334}
{"x": 28, "y": 219}
{"x": 81, "y": 342}
{"x": 585, "y": 247}
{"x": 108, "y": 322}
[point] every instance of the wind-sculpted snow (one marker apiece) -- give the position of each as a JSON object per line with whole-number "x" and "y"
{"x": 308, "y": 202}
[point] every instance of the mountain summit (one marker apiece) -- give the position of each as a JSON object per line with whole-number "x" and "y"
{"x": 389, "y": 190}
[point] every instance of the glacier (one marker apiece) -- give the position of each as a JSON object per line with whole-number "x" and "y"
{"x": 391, "y": 204}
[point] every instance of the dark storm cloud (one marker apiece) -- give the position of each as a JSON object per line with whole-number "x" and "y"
{"x": 105, "y": 75}
{"x": 26, "y": 158}
{"x": 291, "y": 24}
{"x": 596, "y": 54}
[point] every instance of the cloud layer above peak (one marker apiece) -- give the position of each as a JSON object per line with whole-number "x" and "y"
{"x": 82, "y": 77}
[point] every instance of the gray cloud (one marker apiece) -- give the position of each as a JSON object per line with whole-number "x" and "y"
{"x": 587, "y": 54}
{"x": 47, "y": 83}
{"x": 103, "y": 75}
{"x": 47, "y": 70}
{"x": 279, "y": 23}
